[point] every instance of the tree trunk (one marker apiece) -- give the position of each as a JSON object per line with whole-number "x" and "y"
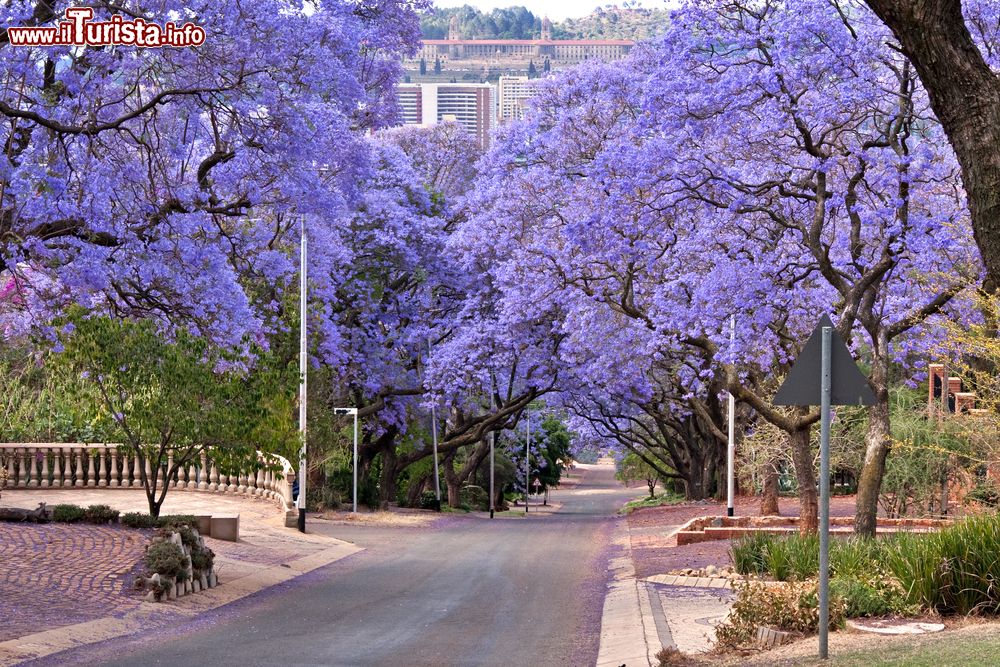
{"x": 877, "y": 442}
{"x": 965, "y": 95}
{"x": 387, "y": 484}
{"x": 802, "y": 455}
{"x": 769, "y": 498}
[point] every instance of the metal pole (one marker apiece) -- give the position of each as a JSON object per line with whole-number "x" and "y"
{"x": 493, "y": 444}
{"x": 731, "y": 455}
{"x": 824, "y": 496}
{"x": 434, "y": 431}
{"x": 355, "y": 509}
{"x": 303, "y": 369}
{"x": 527, "y": 458}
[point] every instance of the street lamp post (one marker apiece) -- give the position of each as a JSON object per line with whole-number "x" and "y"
{"x": 493, "y": 444}
{"x": 731, "y": 448}
{"x": 527, "y": 458}
{"x": 303, "y": 369}
{"x": 352, "y": 411}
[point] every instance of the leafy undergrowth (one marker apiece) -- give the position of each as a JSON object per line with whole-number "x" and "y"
{"x": 665, "y": 498}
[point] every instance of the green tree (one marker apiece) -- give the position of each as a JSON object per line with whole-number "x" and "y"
{"x": 632, "y": 469}
{"x": 169, "y": 400}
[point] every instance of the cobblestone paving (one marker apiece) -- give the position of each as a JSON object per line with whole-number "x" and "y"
{"x": 53, "y": 575}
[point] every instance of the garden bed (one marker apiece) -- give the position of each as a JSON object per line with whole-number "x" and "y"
{"x": 708, "y": 528}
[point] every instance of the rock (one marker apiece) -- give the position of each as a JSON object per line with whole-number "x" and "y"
{"x": 151, "y": 596}
{"x": 717, "y": 522}
{"x": 213, "y": 581}
{"x": 711, "y": 571}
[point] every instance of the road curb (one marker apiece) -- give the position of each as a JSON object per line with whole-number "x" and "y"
{"x": 628, "y": 630}
{"x": 149, "y": 614}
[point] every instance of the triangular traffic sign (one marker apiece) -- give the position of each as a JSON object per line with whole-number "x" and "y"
{"x": 803, "y": 384}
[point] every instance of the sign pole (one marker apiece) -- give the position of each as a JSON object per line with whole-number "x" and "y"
{"x": 731, "y": 457}
{"x": 303, "y": 370}
{"x": 824, "y": 495}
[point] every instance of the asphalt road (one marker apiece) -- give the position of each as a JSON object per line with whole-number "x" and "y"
{"x": 470, "y": 591}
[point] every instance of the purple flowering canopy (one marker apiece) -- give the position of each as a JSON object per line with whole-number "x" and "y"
{"x": 154, "y": 182}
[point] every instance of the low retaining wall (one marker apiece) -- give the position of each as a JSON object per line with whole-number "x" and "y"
{"x": 78, "y": 465}
{"x": 707, "y": 528}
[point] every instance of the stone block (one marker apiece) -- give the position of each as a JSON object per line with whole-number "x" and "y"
{"x": 226, "y": 528}
{"x": 204, "y": 524}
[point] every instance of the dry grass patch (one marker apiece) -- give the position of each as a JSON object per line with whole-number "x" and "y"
{"x": 382, "y": 518}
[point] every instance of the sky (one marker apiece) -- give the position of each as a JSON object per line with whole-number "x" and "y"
{"x": 557, "y": 10}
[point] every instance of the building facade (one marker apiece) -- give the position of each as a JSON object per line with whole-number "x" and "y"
{"x": 557, "y": 52}
{"x": 513, "y": 93}
{"x": 472, "y": 105}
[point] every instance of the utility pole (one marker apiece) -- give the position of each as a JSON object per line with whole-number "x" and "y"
{"x": 303, "y": 370}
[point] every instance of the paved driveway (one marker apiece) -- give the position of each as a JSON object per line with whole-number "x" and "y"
{"x": 469, "y": 591}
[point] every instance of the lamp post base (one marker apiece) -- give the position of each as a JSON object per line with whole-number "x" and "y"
{"x": 302, "y": 519}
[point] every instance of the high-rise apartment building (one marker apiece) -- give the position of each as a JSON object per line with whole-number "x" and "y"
{"x": 472, "y": 105}
{"x": 514, "y": 92}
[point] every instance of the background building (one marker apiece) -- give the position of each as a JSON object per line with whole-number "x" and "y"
{"x": 513, "y": 93}
{"x": 472, "y": 105}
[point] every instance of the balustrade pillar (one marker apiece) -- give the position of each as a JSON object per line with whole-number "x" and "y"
{"x": 32, "y": 467}
{"x": 203, "y": 472}
{"x": 115, "y": 480}
{"x": 44, "y": 481}
{"x": 223, "y": 483}
{"x": 172, "y": 479}
{"x": 214, "y": 483}
{"x": 22, "y": 479}
{"x": 149, "y": 470}
{"x": 259, "y": 486}
{"x": 78, "y": 455}
{"x": 91, "y": 467}
{"x": 11, "y": 479}
{"x": 102, "y": 469}
{"x": 192, "y": 476}
{"x": 66, "y": 466}
{"x": 242, "y": 488}
{"x": 136, "y": 472}
{"x": 234, "y": 483}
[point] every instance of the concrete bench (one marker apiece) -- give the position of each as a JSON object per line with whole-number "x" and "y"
{"x": 225, "y": 528}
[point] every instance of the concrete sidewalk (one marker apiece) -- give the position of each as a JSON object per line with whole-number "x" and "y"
{"x": 642, "y": 616}
{"x": 267, "y": 554}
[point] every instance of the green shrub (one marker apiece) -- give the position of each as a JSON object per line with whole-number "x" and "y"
{"x": 792, "y": 607}
{"x": 138, "y": 520}
{"x": 202, "y": 559}
{"x": 175, "y": 521}
{"x": 428, "y": 500}
{"x": 855, "y": 556}
{"x": 166, "y": 559}
{"x": 100, "y": 514}
{"x": 984, "y": 493}
{"x": 876, "y": 595}
{"x": 748, "y": 553}
{"x": 68, "y": 513}
{"x": 474, "y": 497}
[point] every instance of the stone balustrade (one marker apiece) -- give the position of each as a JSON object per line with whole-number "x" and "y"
{"x": 78, "y": 465}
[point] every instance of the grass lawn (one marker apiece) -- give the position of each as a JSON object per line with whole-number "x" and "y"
{"x": 665, "y": 498}
{"x": 974, "y": 644}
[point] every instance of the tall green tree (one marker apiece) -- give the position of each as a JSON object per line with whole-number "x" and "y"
{"x": 170, "y": 400}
